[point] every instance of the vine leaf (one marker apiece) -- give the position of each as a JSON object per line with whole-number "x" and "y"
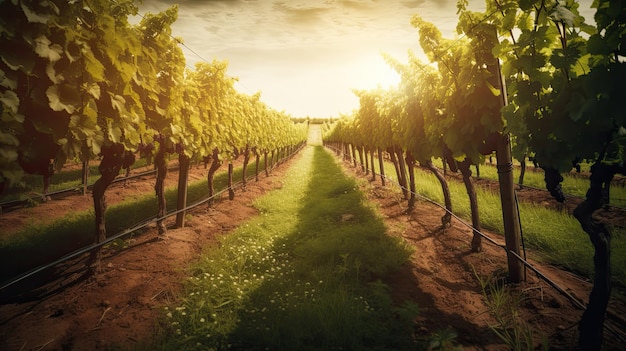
{"x": 562, "y": 14}
{"x": 34, "y": 17}
{"x": 7, "y": 155}
{"x": 44, "y": 48}
{"x": 20, "y": 56}
{"x": 63, "y": 97}
{"x": 118, "y": 102}
{"x": 114, "y": 132}
{"x": 93, "y": 90}
{"x": 526, "y": 5}
{"x": 92, "y": 65}
{"x": 11, "y": 100}
{"x": 495, "y": 91}
{"x": 8, "y": 139}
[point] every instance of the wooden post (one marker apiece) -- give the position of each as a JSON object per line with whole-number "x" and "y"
{"x": 231, "y": 191}
{"x": 85, "y": 176}
{"x": 181, "y": 202}
{"x": 159, "y": 187}
{"x": 504, "y": 159}
{"x": 512, "y": 233}
{"x": 382, "y": 166}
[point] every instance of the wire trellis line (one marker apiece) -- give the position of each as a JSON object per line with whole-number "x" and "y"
{"x": 524, "y": 261}
{"x": 127, "y": 231}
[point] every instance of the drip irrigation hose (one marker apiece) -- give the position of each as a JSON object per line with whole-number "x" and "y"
{"x": 124, "y": 232}
{"x": 561, "y": 290}
{"x": 13, "y": 203}
{"x": 567, "y": 196}
{"x": 523, "y": 260}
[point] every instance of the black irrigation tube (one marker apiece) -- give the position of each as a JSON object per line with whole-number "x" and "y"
{"x": 529, "y": 187}
{"x": 125, "y": 232}
{"x": 541, "y": 275}
{"x": 544, "y": 190}
{"x": 566, "y": 195}
{"x": 8, "y": 205}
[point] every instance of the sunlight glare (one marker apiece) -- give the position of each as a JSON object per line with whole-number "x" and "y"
{"x": 376, "y": 72}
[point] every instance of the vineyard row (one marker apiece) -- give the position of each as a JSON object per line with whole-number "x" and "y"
{"x": 181, "y": 209}
{"x": 524, "y": 79}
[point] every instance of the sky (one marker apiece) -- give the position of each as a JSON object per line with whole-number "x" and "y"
{"x": 307, "y": 56}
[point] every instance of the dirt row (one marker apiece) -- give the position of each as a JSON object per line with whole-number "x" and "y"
{"x": 117, "y": 192}
{"x": 119, "y": 308}
{"x": 444, "y": 275}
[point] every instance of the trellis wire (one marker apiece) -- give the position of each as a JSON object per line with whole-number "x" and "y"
{"x": 527, "y": 264}
{"x": 483, "y": 235}
{"x": 122, "y": 233}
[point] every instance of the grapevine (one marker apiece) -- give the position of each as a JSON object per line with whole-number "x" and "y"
{"x": 81, "y": 82}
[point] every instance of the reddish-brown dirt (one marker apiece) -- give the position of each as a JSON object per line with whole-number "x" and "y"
{"x": 443, "y": 275}
{"x": 119, "y": 307}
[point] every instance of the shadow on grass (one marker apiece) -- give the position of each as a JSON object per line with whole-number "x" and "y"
{"x": 328, "y": 293}
{"x": 334, "y": 290}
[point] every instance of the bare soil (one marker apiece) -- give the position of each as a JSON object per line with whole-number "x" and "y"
{"x": 119, "y": 308}
{"x": 443, "y": 275}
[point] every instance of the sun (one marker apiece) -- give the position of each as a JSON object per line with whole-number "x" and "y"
{"x": 375, "y": 72}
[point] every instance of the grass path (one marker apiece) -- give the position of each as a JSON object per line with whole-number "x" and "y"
{"x": 303, "y": 275}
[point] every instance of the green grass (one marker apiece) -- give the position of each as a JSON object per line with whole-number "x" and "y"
{"x": 555, "y": 237}
{"x": 303, "y": 275}
{"x": 39, "y": 244}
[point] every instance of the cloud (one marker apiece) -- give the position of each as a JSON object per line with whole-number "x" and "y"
{"x": 356, "y": 5}
{"x": 204, "y": 3}
{"x": 305, "y": 56}
{"x": 413, "y": 4}
{"x": 300, "y": 15}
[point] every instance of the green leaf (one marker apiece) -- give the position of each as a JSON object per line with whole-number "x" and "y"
{"x": 93, "y": 90}
{"x": 44, "y": 48}
{"x": 576, "y": 106}
{"x": 8, "y": 155}
{"x": 495, "y": 91}
{"x": 60, "y": 160}
{"x": 95, "y": 144}
{"x": 526, "y": 5}
{"x": 21, "y": 56}
{"x": 558, "y": 60}
{"x": 34, "y": 17}
{"x": 597, "y": 45}
{"x": 84, "y": 125}
{"x": 126, "y": 71}
{"x": 543, "y": 77}
{"x": 8, "y": 139}
{"x": 92, "y": 65}
{"x": 589, "y": 29}
{"x": 6, "y": 82}
{"x": 132, "y": 137}
{"x": 508, "y": 22}
{"x": 118, "y": 103}
{"x": 114, "y": 132}
{"x": 63, "y": 97}
{"x": 562, "y": 14}
{"x": 10, "y": 101}
{"x": 90, "y": 112}
{"x": 52, "y": 74}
